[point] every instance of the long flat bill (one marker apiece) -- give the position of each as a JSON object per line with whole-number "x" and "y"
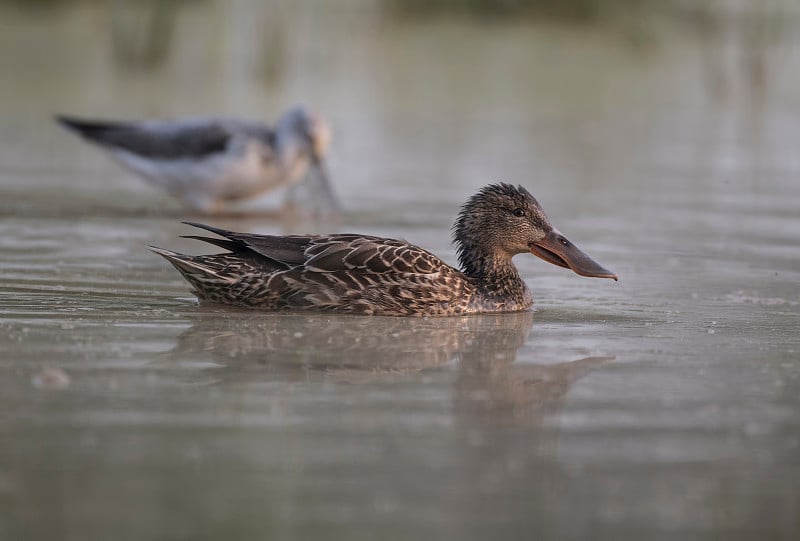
{"x": 556, "y": 249}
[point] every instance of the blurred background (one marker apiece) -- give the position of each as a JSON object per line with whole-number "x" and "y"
{"x": 435, "y": 95}
{"x": 660, "y": 135}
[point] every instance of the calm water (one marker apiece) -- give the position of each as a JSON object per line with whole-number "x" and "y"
{"x": 662, "y": 406}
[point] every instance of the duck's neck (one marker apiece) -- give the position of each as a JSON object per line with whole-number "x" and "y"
{"x": 495, "y": 276}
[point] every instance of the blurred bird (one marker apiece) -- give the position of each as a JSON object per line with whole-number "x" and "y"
{"x": 209, "y": 162}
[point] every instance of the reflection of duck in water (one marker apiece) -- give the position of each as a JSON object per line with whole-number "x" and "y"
{"x": 302, "y": 343}
{"x": 358, "y": 274}
{"x": 498, "y": 406}
{"x": 299, "y": 346}
{"x": 499, "y": 389}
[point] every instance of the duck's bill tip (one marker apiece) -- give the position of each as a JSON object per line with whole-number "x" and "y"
{"x": 598, "y": 274}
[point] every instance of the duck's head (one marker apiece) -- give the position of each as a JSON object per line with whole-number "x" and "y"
{"x": 310, "y": 129}
{"x": 502, "y": 220}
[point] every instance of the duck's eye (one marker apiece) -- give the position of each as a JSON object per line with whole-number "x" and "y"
{"x": 518, "y": 212}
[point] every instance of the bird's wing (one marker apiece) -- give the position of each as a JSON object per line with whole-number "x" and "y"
{"x": 194, "y": 138}
{"x": 367, "y": 254}
{"x": 334, "y": 253}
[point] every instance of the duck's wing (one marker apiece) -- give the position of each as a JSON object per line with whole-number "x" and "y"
{"x": 338, "y": 273}
{"x": 333, "y": 253}
{"x": 165, "y": 140}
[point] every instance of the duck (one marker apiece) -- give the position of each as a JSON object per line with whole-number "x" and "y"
{"x": 210, "y": 163}
{"x": 359, "y": 274}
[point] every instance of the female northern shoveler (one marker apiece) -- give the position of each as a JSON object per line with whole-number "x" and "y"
{"x": 358, "y": 274}
{"x": 207, "y": 162}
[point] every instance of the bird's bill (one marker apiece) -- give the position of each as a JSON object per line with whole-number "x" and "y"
{"x": 323, "y": 182}
{"x": 556, "y": 249}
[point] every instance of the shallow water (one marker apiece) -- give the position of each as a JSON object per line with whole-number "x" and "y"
{"x": 662, "y": 406}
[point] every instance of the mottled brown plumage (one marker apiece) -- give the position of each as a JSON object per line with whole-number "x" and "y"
{"x": 359, "y": 274}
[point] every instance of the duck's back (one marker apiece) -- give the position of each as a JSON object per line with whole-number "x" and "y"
{"x": 354, "y": 274}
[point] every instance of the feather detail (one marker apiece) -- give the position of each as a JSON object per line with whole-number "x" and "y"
{"x": 360, "y": 274}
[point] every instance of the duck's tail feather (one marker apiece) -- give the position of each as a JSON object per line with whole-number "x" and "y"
{"x": 202, "y": 272}
{"x": 216, "y": 230}
{"x": 230, "y": 245}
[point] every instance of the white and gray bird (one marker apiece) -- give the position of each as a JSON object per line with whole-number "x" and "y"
{"x": 210, "y": 162}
